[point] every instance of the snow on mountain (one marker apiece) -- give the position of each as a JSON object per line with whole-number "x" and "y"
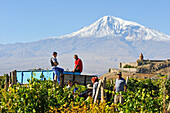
{"x": 101, "y": 46}
{"x": 116, "y": 27}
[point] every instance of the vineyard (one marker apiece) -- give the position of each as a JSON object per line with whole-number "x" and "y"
{"x": 142, "y": 95}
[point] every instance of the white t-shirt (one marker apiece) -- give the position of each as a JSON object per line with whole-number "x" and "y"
{"x": 54, "y": 60}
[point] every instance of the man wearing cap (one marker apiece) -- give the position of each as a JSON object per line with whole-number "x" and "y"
{"x": 120, "y": 85}
{"x": 57, "y": 70}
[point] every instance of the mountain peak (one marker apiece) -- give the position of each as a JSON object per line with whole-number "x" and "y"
{"x": 112, "y": 20}
{"x": 110, "y": 26}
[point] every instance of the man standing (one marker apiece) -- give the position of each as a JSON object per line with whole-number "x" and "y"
{"x": 78, "y": 64}
{"x": 120, "y": 85}
{"x": 57, "y": 70}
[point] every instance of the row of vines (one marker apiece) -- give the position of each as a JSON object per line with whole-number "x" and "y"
{"x": 42, "y": 96}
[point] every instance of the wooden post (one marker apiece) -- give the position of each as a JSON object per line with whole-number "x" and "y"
{"x": 168, "y": 77}
{"x": 85, "y": 80}
{"x": 31, "y": 76}
{"x": 53, "y": 75}
{"x": 14, "y": 78}
{"x": 22, "y": 77}
{"x": 104, "y": 86}
{"x": 42, "y": 76}
{"x": 111, "y": 81}
{"x": 127, "y": 78}
{"x": 55, "y": 81}
{"x": 10, "y": 80}
{"x": 62, "y": 80}
{"x": 12, "y": 83}
{"x": 102, "y": 92}
{"x": 97, "y": 92}
{"x": 168, "y": 107}
{"x": 6, "y": 81}
{"x": 73, "y": 77}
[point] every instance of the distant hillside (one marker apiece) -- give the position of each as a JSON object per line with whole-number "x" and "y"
{"x": 151, "y": 70}
{"x": 101, "y": 45}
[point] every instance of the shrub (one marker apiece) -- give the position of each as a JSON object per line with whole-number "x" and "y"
{"x": 128, "y": 66}
{"x": 42, "y": 96}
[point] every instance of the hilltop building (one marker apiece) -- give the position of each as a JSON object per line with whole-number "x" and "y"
{"x": 142, "y": 65}
{"x": 141, "y": 57}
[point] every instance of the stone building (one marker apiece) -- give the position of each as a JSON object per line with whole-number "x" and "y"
{"x": 141, "y": 57}
{"x": 141, "y": 65}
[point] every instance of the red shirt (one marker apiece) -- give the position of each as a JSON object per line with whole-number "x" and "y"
{"x": 80, "y": 64}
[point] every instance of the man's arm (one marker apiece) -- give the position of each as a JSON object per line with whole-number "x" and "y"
{"x": 56, "y": 63}
{"x": 114, "y": 88}
{"x": 75, "y": 68}
{"x": 125, "y": 88}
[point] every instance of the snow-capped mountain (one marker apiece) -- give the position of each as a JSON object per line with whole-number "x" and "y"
{"x": 101, "y": 45}
{"x": 112, "y": 26}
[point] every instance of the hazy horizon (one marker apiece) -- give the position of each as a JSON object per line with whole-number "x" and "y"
{"x": 27, "y": 21}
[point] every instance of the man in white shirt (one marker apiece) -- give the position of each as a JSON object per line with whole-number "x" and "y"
{"x": 57, "y": 70}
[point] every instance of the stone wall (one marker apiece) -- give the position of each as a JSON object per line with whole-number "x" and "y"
{"x": 113, "y": 70}
{"x": 153, "y": 67}
{"x": 157, "y": 60}
{"x": 121, "y": 65}
{"x": 129, "y": 69}
{"x": 167, "y": 60}
{"x": 144, "y": 66}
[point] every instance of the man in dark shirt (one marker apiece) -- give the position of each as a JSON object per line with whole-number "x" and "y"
{"x": 78, "y": 64}
{"x": 57, "y": 70}
{"x": 120, "y": 85}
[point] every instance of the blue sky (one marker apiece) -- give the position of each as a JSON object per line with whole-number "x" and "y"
{"x": 32, "y": 20}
